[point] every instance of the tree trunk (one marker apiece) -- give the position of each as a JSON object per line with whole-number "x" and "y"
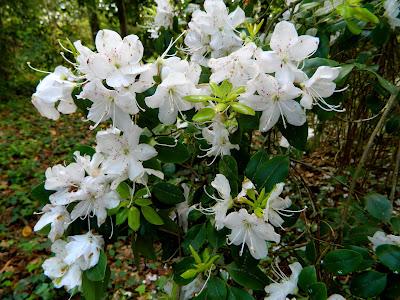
{"x": 93, "y": 19}
{"x": 122, "y": 17}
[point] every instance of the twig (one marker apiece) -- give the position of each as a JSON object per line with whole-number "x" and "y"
{"x": 364, "y": 157}
{"x": 395, "y": 174}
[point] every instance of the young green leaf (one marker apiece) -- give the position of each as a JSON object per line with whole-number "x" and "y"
{"x": 203, "y": 115}
{"x": 243, "y": 109}
{"x": 151, "y": 215}
{"x": 134, "y": 218}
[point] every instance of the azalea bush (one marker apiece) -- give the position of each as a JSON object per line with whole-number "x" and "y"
{"x": 181, "y": 169}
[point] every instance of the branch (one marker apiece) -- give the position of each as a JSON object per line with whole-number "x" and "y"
{"x": 395, "y": 174}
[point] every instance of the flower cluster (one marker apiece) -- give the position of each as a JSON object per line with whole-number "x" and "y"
{"x": 244, "y": 80}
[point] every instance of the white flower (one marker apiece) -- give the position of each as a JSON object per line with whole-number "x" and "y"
{"x": 274, "y": 99}
{"x": 238, "y": 67}
{"x": 251, "y": 230}
{"x": 55, "y": 87}
{"x": 83, "y": 59}
{"x": 336, "y": 297}
{"x": 213, "y": 31}
{"x": 276, "y": 206}
{"x": 381, "y": 238}
{"x": 65, "y": 181}
{"x": 246, "y": 185}
{"x": 117, "y": 60}
{"x": 392, "y": 10}
{"x": 114, "y": 104}
{"x": 183, "y": 209}
{"x": 92, "y": 165}
{"x": 329, "y": 6}
{"x": 84, "y": 250}
{"x": 58, "y": 217}
{"x": 95, "y": 197}
{"x": 321, "y": 85}
{"x": 288, "y": 50}
{"x": 287, "y": 286}
{"x": 62, "y": 274}
{"x": 217, "y": 135}
{"x": 123, "y": 154}
{"x": 165, "y": 14}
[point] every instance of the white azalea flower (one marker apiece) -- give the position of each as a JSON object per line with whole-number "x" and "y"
{"x": 288, "y": 50}
{"x": 321, "y": 85}
{"x": 274, "y": 99}
{"x": 58, "y": 217}
{"x": 392, "y": 11}
{"x": 287, "y": 286}
{"x": 238, "y": 67}
{"x": 223, "y": 202}
{"x": 123, "y": 154}
{"x": 84, "y": 250}
{"x": 117, "y": 60}
{"x": 381, "y": 238}
{"x": 336, "y": 297}
{"x": 62, "y": 274}
{"x": 92, "y": 165}
{"x": 183, "y": 209}
{"x": 65, "y": 181}
{"x": 246, "y": 185}
{"x": 217, "y": 135}
{"x": 55, "y": 87}
{"x": 83, "y": 59}
{"x": 249, "y": 229}
{"x": 117, "y": 105}
{"x": 165, "y": 14}
{"x": 276, "y": 206}
{"x": 94, "y": 197}
{"x": 213, "y": 31}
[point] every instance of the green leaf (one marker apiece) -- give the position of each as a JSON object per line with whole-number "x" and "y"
{"x": 249, "y": 276}
{"x": 95, "y": 290}
{"x": 228, "y": 167}
{"x": 216, "y": 289}
{"x": 311, "y": 252}
{"x": 39, "y": 193}
{"x": 365, "y": 15}
{"x": 344, "y": 71}
{"x": 271, "y": 172}
{"x": 318, "y": 291}
{"x": 238, "y": 294}
{"x": 189, "y": 274}
{"x": 242, "y": 109}
{"x": 204, "y": 114}
{"x": 196, "y": 237}
{"x": 134, "y": 218}
{"x": 368, "y": 284}
{"x": 175, "y": 154}
{"x": 296, "y": 135}
{"x": 124, "y": 191}
{"x": 216, "y": 238}
{"x": 122, "y": 215}
{"x": 168, "y": 193}
{"x": 343, "y": 261}
{"x": 395, "y": 224}
{"x": 85, "y": 150}
{"x": 255, "y": 163}
{"x": 379, "y": 206}
{"x": 198, "y": 98}
{"x": 98, "y": 272}
{"x": 389, "y": 255}
{"x": 143, "y": 201}
{"x": 151, "y": 215}
{"x": 307, "y": 277}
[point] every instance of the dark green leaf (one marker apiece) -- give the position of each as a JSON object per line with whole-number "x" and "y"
{"x": 196, "y": 237}
{"x": 168, "y": 193}
{"x": 95, "y": 290}
{"x": 307, "y": 277}
{"x": 343, "y": 261}
{"x": 98, "y": 272}
{"x": 368, "y": 284}
{"x": 318, "y": 291}
{"x": 176, "y": 154}
{"x": 39, "y": 193}
{"x": 249, "y": 276}
{"x": 255, "y": 163}
{"x": 85, "y": 150}
{"x": 238, "y": 294}
{"x": 395, "y": 224}
{"x": 379, "y": 206}
{"x": 271, "y": 172}
{"x": 229, "y": 168}
{"x": 389, "y": 255}
{"x": 216, "y": 289}
{"x": 296, "y": 135}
